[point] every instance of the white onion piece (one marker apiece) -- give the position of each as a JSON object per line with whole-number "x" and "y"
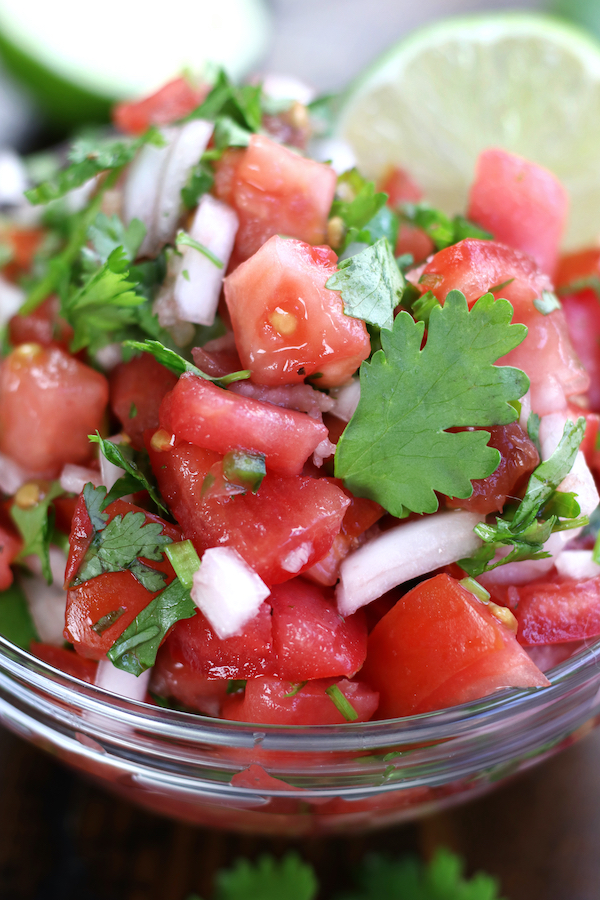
{"x": 12, "y": 475}
{"x": 11, "y": 300}
{"x": 108, "y": 471}
{"x": 525, "y": 411}
{"x": 215, "y": 226}
{"x": 577, "y": 564}
{"x": 579, "y": 480}
{"x": 336, "y": 151}
{"x": 529, "y": 569}
{"x": 108, "y": 357}
{"x": 124, "y": 684}
{"x": 287, "y": 87}
{"x": 346, "y": 400}
{"x": 404, "y": 552}
{"x": 227, "y": 591}
{"x": 47, "y": 602}
{"x": 142, "y": 187}
{"x": 13, "y": 178}
{"x": 74, "y": 478}
{"x": 185, "y": 153}
{"x": 323, "y": 451}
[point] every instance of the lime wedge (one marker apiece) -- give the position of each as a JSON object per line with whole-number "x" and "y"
{"x": 525, "y": 82}
{"x": 77, "y": 59}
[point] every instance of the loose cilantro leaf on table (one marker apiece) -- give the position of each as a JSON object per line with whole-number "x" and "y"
{"x": 396, "y": 449}
{"x": 371, "y": 284}
{"x": 133, "y": 480}
{"x": 179, "y": 365}
{"x": 117, "y": 546}
{"x": 89, "y": 158}
{"x": 35, "y": 525}
{"x": 16, "y": 624}
{"x": 136, "y": 649}
{"x": 542, "y": 511}
{"x": 267, "y": 879}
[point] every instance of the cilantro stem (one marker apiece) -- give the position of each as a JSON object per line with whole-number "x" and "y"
{"x": 341, "y": 703}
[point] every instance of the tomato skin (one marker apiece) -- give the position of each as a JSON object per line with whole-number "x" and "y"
{"x": 172, "y": 102}
{"x": 310, "y": 638}
{"x": 518, "y": 458}
{"x": 173, "y": 679}
{"x": 66, "y": 660}
{"x": 265, "y": 701}
{"x": 522, "y": 204}
{"x": 546, "y": 355}
{"x": 193, "y": 643}
{"x": 275, "y": 191}
{"x": 289, "y": 514}
{"x": 399, "y": 187}
{"x": 474, "y": 653}
{"x": 11, "y": 545}
{"x": 141, "y": 383}
{"x": 287, "y": 324}
{"x": 202, "y": 413}
{"x": 553, "y": 610}
{"x": 49, "y": 403}
{"x": 109, "y": 592}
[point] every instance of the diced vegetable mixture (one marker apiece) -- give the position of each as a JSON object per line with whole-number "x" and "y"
{"x": 282, "y": 445}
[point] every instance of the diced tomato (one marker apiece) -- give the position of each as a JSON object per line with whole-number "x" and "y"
{"x": 49, "y": 403}
{"x": 275, "y": 702}
{"x": 310, "y": 638}
{"x": 137, "y": 388}
{"x": 66, "y": 660}
{"x": 415, "y": 241}
{"x": 275, "y": 191}
{"x": 64, "y": 508}
{"x": 42, "y": 326}
{"x": 24, "y": 243}
{"x": 518, "y": 458}
{"x": 399, "y": 187}
{"x": 218, "y": 357}
{"x": 99, "y": 610}
{"x": 553, "y": 610}
{"x": 590, "y": 435}
{"x": 206, "y": 415}
{"x": 280, "y": 531}
{"x": 193, "y": 643}
{"x": 287, "y": 324}
{"x": 521, "y": 204}
{"x": 439, "y": 646}
{"x": 546, "y": 355}
{"x": 177, "y": 681}
{"x": 582, "y": 311}
{"x": 172, "y": 102}
{"x": 547, "y": 656}
{"x": 10, "y": 546}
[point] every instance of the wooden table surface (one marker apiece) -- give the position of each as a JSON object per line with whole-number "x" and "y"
{"x": 64, "y": 839}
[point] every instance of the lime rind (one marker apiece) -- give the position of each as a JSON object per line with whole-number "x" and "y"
{"x": 525, "y": 82}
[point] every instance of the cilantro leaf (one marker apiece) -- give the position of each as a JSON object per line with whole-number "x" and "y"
{"x": 104, "y": 303}
{"x": 442, "y": 230}
{"x": 136, "y": 649}
{"x": 542, "y": 511}
{"x": 95, "y": 502}
{"x": 441, "y": 879}
{"x": 267, "y": 879}
{"x": 200, "y": 181}
{"x": 226, "y": 100}
{"x": 35, "y": 527}
{"x": 396, "y": 449}
{"x": 89, "y": 158}
{"x": 547, "y": 303}
{"x": 134, "y": 479}
{"x": 356, "y": 200}
{"x": 16, "y": 624}
{"x": 107, "y": 234}
{"x": 179, "y": 365}
{"x": 371, "y": 285}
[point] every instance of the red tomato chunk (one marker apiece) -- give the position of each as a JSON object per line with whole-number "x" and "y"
{"x": 137, "y": 388}
{"x": 204, "y": 414}
{"x": 172, "y": 102}
{"x": 49, "y": 403}
{"x": 287, "y": 324}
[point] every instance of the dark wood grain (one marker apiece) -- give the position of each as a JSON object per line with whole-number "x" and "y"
{"x": 64, "y": 839}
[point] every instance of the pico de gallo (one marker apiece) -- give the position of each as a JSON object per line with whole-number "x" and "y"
{"x": 282, "y": 445}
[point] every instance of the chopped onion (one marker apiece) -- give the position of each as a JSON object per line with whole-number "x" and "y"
{"x": 346, "y": 400}
{"x": 227, "y": 591}
{"x": 47, "y": 602}
{"x": 404, "y": 552}
{"x": 198, "y": 286}
{"x": 286, "y": 87}
{"x": 109, "y": 356}
{"x": 12, "y": 475}
{"x": 185, "y": 152}
{"x": 335, "y": 151}
{"x": 142, "y": 186}
{"x": 74, "y": 478}
{"x": 529, "y": 569}
{"x": 11, "y": 300}
{"x": 13, "y": 178}
{"x": 577, "y": 564}
{"x": 124, "y": 684}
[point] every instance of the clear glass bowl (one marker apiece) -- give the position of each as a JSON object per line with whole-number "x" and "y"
{"x": 330, "y": 778}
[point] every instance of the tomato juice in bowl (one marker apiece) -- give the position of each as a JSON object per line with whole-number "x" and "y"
{"x": 309, "y": 454}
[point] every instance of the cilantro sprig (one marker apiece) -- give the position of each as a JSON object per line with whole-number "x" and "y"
{"x": 133, "y": 479}
{"x": 35, "y": 525}
{"x": 442, "y": 230}
{"x": 371, "y": 284}
{"x": 179, "y": 365}
{"x": 396, "y": 449}
{"x": 118, "y": 545}
{"x": 542, "y": 511}
{"x": 363, "y": 211}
